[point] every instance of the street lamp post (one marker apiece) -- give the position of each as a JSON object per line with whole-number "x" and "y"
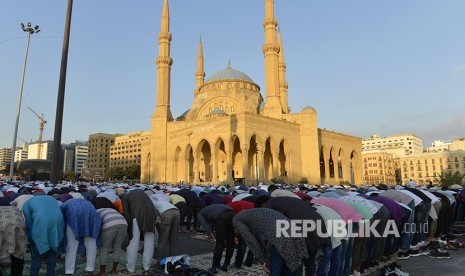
{"x": 29, "y": 30}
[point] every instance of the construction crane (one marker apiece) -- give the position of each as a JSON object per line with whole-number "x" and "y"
{"x": 42, "y": 123}
{"x": 24, "y": 141}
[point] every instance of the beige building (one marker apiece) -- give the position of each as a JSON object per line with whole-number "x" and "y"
{"x": 21, "y": 153}
{"x": 127, "y": 149}
{"x": 45, "y": 149}
{"x": 233, "y": 133}
{"x": 430, "y": 165}
{"x": 99, "y": 151}
{"x": 439, "y": 158}
{"x": 398, "y": 145}
{"x": 5, "y": 157}
{"x": 380, "y": 167}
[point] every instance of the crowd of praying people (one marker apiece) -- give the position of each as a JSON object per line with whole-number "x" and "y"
{"x": 55, "y": 222}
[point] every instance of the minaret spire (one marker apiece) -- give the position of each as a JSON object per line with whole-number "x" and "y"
{"x": 162, "y": 115}
{"x": 273, "y": 107}
{"x": 200, "y": 73}
{"x": 164, "y": 63}
{"x": 283, "y": 86}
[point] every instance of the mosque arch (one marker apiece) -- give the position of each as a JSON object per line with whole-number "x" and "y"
{"x": 340, "y": 163}
{"x": 282, "y": 158}
{"x": 189, "y": 158}
{"x": 204, "y": 161}
{"x": 178, "y": 170}
{"x": 322, "y": 164}
{"x": 237, "y": 167}
{"x": 354, "y": 166}
{"x": 221, "y": 161}
{"x": 270, "y": 159}
{"x": 254, "y": 158}
{"x": 331, "y": 163}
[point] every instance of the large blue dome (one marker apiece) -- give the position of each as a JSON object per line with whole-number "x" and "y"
{"x": 229, "y": 74}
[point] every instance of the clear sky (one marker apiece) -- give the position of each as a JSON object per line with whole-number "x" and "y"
{"x": 368, "y": 67}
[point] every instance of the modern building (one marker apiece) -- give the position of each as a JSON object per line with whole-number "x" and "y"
{"x": 80, "y": 157}
{"x": 127, "y": 149}
{"x": 21, "y": 153}
{"x": 67, "y": 157}
{"x": 233, "y": 133}
{"x": 45, "y": 149}
{"x": 99, "y": 150}
{"x": 399, "y": 144}
{"x": 5, "y": 158}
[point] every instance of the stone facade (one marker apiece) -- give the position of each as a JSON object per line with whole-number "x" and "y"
{"x": 232, "y": 133}
{"x": 127, "y": 149}
{"x": 99, "y": 151}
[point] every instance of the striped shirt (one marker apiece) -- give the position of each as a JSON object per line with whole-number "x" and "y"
{"x": 111, "y": 217}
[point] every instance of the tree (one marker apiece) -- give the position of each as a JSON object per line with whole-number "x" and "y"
{"x": 132, "y": 172}
{"x": 115, "y": 173}
{"x": 448, "y": 178}
{"x": 303, "y": 180}
{"x": 67, "y": 176}
{"x": 29, "y": 174}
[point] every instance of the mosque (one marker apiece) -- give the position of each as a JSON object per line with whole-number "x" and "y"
{"x": 234, "y": 134}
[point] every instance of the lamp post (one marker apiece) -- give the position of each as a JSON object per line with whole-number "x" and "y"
{"x": 55, "y": 167}
{"x": 29, "y": 30}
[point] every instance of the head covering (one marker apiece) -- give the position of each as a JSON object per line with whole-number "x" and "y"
{"x": 102, "y": 202}
{"x": 4, "y": 201}
{"x": 65, "y": 197}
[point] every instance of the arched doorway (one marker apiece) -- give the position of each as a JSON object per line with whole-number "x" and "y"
{"x": 190, "y": 164}
{"x": 205, "y": 173}
{"x": 331, "y": 163}
{"x": 340, "y": 158}
{"x": 221, "y": 162}
{"x": 282, "y": 159}
{"x": 269, "y": 159}
{"x": 237, "y": 158}
{"x": 322, "y": 165}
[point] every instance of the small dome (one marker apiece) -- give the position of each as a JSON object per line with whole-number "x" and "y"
{"x": 217, "y": 111}
{"x": 308, "y": 108}
{"x": 229, "y": 74}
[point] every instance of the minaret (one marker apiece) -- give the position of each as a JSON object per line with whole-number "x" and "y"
{"x": 200, "y": 73}
{"x": 283, "y": 86}
{"x": 164, "y": 62}
{"x": 273, "y": 107}
{"x": 158, "y": 154}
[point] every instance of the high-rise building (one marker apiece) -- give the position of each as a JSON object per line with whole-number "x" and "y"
{"x": 67, "y": 157}
{"x": 399, "y": 144}
{"x": 99, "y": 150}
{"x": 80, "y": 157}
{"x": 127, "y": 149}
{"x": 5, "y": 158}
{"x": 21, "y": 153}
{"x": 45, "y": 150}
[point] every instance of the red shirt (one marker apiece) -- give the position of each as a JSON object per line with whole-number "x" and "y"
{"x": 227, "y": 198}
{"x": 241, "y": 205}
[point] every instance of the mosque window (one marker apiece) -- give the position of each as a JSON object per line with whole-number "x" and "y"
{"x": 221, "y": 107}
{"x": 210, "y": 110}
{"x": 226, "y": 109}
